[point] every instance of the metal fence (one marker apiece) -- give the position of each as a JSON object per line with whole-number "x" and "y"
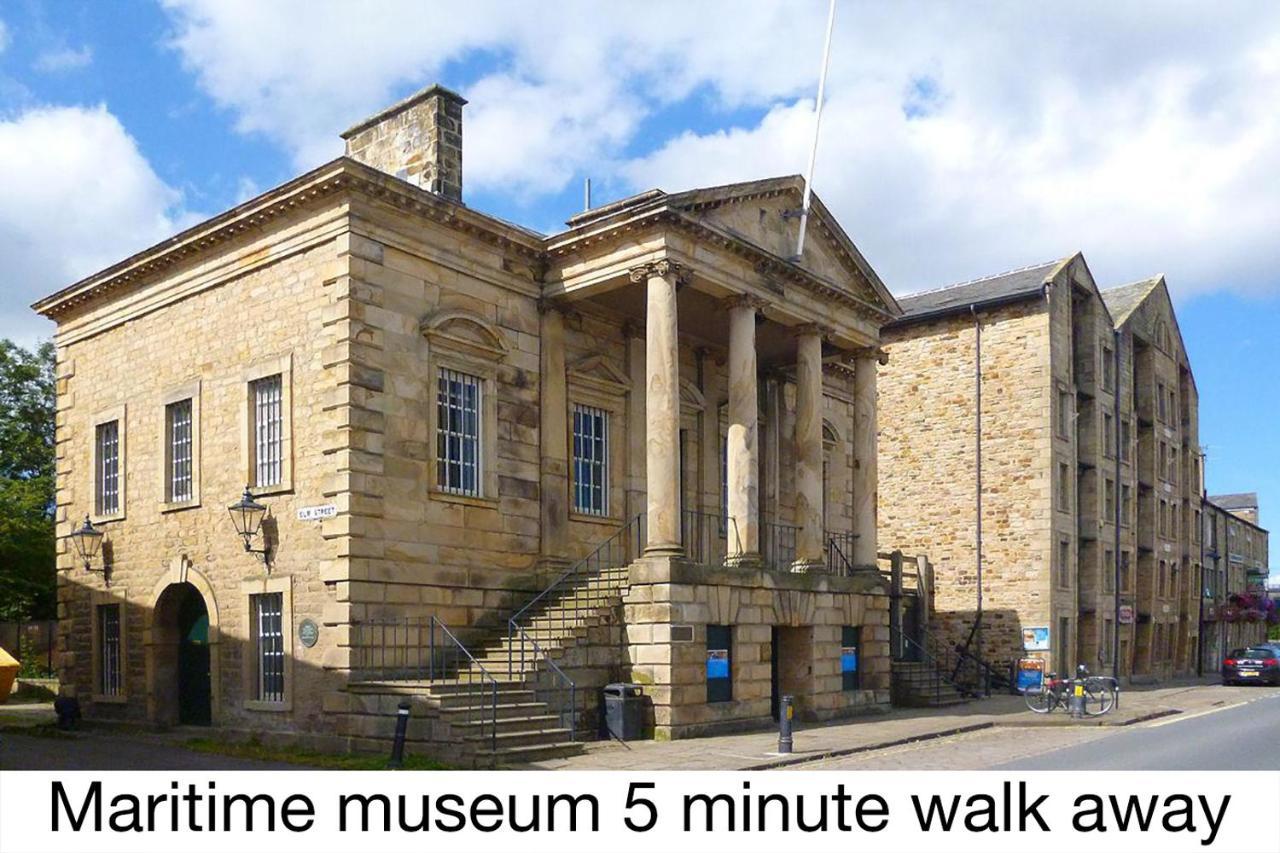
{"x": 32, "y": 643}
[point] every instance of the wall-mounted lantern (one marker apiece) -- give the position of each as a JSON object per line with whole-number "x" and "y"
{"x": 247, "y": 515}
{"x": 87, "y": 541}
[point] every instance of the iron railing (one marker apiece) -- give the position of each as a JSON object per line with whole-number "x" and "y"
{"x": 414, "y": 648}
{"x": 708, "y": 537}
{"x": 566, "y": 604}
{"x": 943, "y": 665}
{"x": 839, "y": 553}
{"x": 778, "y": 545}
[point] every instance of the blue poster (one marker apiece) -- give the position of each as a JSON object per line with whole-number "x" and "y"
{"x": 717, "y": 663}
{"x": 849, "y": 659}
{"x": 1030, "y": 675}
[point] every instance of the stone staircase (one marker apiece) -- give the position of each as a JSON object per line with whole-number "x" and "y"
{"x": 918, "y": 684}
{"x": 453, "y": 717}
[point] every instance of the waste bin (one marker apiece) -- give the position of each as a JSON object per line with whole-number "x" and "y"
{"x": 623, "y": 714}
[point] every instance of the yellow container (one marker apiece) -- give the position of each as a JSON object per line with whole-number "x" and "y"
{"x": 8, "y": 673}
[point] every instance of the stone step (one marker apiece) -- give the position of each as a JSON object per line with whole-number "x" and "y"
{"x": 479, "y": 722}
{"x": 515, "y": 755}
{"x": 531, "y": 737}
{"x": 460, "y": 714}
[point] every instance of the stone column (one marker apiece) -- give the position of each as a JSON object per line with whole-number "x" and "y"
{"x": 864, "y": 460}
{"x": 743, "y": 440}
{"x": 662, "y": 408}
{"x": 554, "y": 439}
{"x": 809, "y": 541}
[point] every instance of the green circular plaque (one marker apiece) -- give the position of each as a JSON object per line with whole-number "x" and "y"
{"x": 308, "y": 632}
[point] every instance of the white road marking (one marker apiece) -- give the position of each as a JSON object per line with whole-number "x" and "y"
{"x": 1178, "y": 718}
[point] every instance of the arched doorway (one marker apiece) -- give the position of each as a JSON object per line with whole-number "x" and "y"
{"x": 183, "y": 668}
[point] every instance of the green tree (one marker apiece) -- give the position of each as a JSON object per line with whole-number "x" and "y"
{"x": 27, "y": 576}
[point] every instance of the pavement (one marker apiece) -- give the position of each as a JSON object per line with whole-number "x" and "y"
{"x": 1003, "y": 719}
{"x": 27, "y": 742}
{"x": 987, "y": 733}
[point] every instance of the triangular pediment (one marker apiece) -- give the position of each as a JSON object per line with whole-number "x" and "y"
{"x": 766, "y": 214}
{"x": 599, "y": 373}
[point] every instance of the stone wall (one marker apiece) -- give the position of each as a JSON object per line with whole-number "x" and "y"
{"x": 667, "y": 596}
{"x": 927, "y": 466}
{"x": 256, "y": 304}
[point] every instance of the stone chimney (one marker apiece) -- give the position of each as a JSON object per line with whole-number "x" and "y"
{"x": 418, "y": 140}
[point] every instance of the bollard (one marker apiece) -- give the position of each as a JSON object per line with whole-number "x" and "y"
{"x": 1075, "y": 703}
{"x": 784, "y": 725}
{"x": 402, "y": 727}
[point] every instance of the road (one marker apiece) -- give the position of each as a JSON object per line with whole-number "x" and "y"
{"x": 1243, "y": 734}
{"x": 1243, "y": 737}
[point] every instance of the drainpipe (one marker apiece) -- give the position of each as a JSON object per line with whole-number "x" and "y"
{"x": 977, "y": 450}
{"x": 1115, "y": 601}
{"x": 1200, "y": 624}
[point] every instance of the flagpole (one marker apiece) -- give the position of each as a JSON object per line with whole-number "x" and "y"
{"x": 817, "y": 124}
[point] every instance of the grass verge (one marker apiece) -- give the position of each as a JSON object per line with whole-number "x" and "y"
{"x": 257, "y": 751}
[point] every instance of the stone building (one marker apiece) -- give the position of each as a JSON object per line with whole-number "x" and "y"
{"x": 656, "y": 425}
{"x": 1089, "y": 464}
{"x": 1236, "y": 567}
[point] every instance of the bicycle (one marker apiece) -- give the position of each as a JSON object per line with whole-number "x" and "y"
{"x": 1098, "y": 692}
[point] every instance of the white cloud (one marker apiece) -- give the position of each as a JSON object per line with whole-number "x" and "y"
{"x": 78, "y": 196}
{"x": 64, "y": 59}
{"x": 955, "y": 144}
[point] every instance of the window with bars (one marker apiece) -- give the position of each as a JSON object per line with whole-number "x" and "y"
{"x": 590, "y": 460}
{"x": 266, "y": 397}
{"x": 268, "y": 643}
{"x": 110, "y": 679}
{"x": 107, "y": 468}
{"x": 458, "y": 458}
{"x": 178, "y": 444}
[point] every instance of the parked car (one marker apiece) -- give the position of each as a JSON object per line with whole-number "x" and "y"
{"x": 1255, "y": 664}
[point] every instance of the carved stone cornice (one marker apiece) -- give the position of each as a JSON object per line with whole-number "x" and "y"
{"x": 661, "y": 268}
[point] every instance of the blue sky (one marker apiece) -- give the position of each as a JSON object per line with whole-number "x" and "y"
{"x": 955, "y": 144}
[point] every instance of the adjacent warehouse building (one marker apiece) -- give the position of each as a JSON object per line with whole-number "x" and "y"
{"x": 1043, "y": 435}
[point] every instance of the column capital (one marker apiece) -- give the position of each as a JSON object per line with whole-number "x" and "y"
{"x": 745, "y": 300}
{"x": 663, "y": 268}
{"x": 821, "y": 330}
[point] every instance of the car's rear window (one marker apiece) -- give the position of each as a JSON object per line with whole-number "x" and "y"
{"x": 1257, "y": 652}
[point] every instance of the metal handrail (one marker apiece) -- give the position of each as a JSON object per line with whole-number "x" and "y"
{"x": 474, "y": 665}
{"x": 577, "y": 590}
{"x": 948, "y": 663}
{"x": 587, "y": 569}
{"x": 405, "y": 649}
{"x": 838, "y": 562}
{"x": 555, "y": 669}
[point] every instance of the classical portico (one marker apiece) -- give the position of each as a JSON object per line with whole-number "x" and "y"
{"x": 707, "y": 272}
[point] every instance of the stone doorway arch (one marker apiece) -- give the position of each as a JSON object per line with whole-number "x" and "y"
{"x": 182, "y": 649}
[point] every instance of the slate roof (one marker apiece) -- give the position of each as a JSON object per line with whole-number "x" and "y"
{"x": 1243, "y": 500}
{"x": 1121, "y": 301}
{"x": 996, "y": 289}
